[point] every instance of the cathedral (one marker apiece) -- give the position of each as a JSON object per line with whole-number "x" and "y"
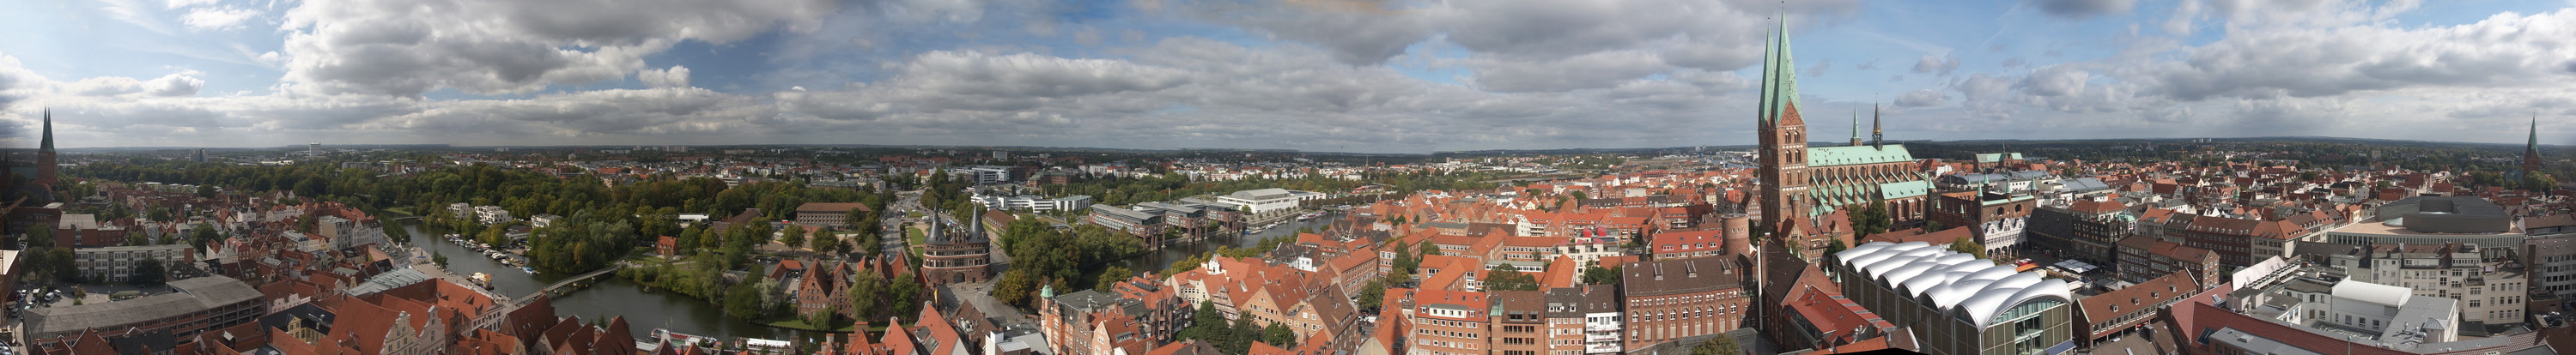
{"x": 1801, "y": 183}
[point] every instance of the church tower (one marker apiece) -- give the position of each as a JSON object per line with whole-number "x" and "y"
{"x": 45, "y": 163}
{"x": 2530, "y": 150}
{"x": 1783, "y": 137}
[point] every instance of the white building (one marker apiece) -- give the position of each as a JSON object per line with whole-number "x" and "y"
{"x": 114, "y": 264}
{"x": 2489, "y": 282}
{"x": 1035, "y": 203}
{"x": 491, "y": 214}
{"x": 2397, "y": 314}
{"x": 990, "y": 174}
{"x": 1263, "y": 205}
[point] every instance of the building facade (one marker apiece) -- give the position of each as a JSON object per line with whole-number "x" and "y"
{"x": 1667, "y": 300}
{"x": 115, "y": 264}
{"x": 955, "y": 256}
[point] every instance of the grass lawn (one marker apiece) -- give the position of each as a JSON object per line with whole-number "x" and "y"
{"x": 916, "y": 236}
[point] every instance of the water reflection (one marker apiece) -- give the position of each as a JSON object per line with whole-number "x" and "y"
{"x": 609, "y": 298}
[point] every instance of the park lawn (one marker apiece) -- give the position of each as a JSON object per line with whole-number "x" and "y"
{"x": 916, "y": 236}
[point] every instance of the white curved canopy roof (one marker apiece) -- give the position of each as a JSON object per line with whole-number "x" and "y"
{"x": 1960, "y": 285}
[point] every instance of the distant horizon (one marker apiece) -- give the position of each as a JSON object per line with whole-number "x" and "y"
{"x": 1012, "y": 147}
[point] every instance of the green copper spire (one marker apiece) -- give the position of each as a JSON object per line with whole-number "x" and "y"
{"x": 1855, "y": 127}
{"x": 1779, "y": 76}
{"x": 2533, "y": 146}
{"x": 49, "y": 131}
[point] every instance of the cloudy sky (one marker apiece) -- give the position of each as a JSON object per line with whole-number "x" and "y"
{"x": 1326, "y": 75}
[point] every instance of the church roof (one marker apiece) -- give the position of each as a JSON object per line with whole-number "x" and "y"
{"x": 1904, "y": 189}
{"x": 1857, "y": 155}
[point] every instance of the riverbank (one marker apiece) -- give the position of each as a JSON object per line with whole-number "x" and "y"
{"x": 606, "y": 297}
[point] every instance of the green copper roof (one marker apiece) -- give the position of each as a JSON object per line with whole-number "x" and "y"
{"x": 1856, "y": 155}
{"x": 1779, "y": 75}
{"x": 1855, "y": 125}
{"x": 2534, "y": 145}
{"x": 1897, "y": 190}
{"x": 49, "y": 131}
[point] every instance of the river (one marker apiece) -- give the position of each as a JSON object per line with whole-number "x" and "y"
{"x": 610, "y": 297}
{"x": 614, "y": 296}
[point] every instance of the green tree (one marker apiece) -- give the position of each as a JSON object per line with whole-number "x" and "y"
{"x": 1109, "y": 279}
{"x": 858, "y": 216}
{"x": 1405, "y": 258}
{"x": 824, "y": 319}
{"x": 793, "y": 237}
{"x": 38, "y": 238}
{"x": 204, "y": 236}
{"x": 1718, "y": 345}
{"x": 1968, "y": 246}
{"x": 1502, "y": 277}
{"x": 863, "y": 296}
{"x": 1279, "y": 335}
{"x": 824, "y": 242}
{"x": 1207, "y": 325}
{"x": 747, "y": 300}
{"x": 1835, "y": 246}
{"x": 904, "y": 291}
{"x": 1373, "y": 294}
{"x": 1245, "y": 333}
{"x": 1016, "y": 286}
{"x": 148, "y": 272}
{"x": 65, "y": 266}
{"x": 1597, "y": 275}
{"x": 1871, "y": 220}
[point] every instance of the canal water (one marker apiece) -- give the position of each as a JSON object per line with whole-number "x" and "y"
{"x": 644, "y": 311}
{"x": 609, "y": 297}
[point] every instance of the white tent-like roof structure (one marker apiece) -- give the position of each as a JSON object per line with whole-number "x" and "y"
{"x": 1974, "y": 290}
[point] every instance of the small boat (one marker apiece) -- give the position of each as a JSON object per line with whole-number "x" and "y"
{"x": 531, "y": 271}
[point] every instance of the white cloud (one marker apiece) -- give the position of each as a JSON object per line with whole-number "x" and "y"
{"x": 173, "y": 85}
{"x": 390, "y": 47}
{"x": 186, "y": 3}
{"x": 217, "y": 18}
{"x": 2079, "y": 9}
{"x": 1932, "y": 64}
{"x": 676, "y": 77}
{"x": 1921, "y": 98}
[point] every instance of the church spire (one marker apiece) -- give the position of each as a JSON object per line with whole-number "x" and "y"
{"x": 2531, "y": 149}
{"x": 48, "y": 145}
{"x": 1877, "y": 135}
{"x": 1856, "y": 126}
{"x": 1779, "y": 79}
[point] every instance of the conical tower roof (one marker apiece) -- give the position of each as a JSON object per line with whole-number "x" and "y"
{"x": 1779, "y": 76}
{"x": 47, "y": 129}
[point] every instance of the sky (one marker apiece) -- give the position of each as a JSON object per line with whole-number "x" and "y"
{"x": 1317, "y": 75}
